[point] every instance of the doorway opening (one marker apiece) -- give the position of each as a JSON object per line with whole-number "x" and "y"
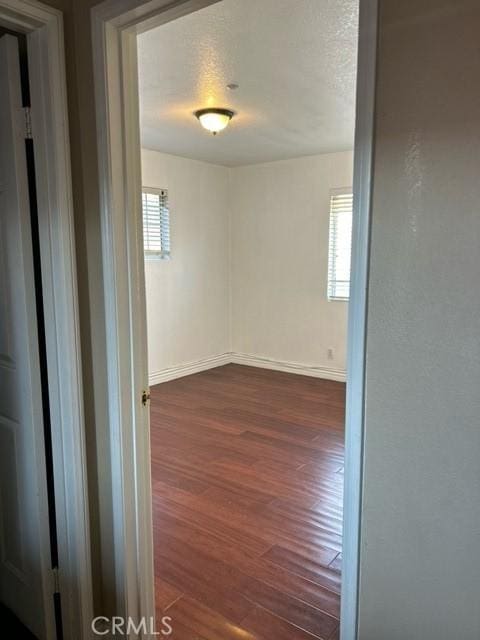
{"x": 226, "y": 465}
{"x": 247, "y": 237}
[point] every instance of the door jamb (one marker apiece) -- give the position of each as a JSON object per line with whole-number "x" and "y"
{"x": 43, "y": 27}
{"x": 115, "y": 24}
{"x": 358, "y": 315}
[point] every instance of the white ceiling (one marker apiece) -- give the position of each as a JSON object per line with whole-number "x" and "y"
{"x": 294, "y": 61}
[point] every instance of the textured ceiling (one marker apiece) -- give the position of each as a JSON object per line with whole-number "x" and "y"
{"x": 294, "y": 61}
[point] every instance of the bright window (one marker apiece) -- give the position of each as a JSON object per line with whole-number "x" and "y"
{"x": 340, "y": 244}
{"x": 156, "y": 223}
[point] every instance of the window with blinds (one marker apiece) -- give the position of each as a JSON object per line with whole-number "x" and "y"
{"x": 340, "y": 244}
{"x": 156, "y": 223}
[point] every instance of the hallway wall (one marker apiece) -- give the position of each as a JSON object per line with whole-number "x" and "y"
{"x": 420, "y": 561}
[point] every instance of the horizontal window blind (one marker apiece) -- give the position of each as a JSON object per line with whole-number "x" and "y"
{"x": 156, "y": 223}
{"x": 340, "y": 245}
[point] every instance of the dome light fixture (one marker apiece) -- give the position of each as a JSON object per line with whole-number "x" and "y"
{"x": 214, "y": 120}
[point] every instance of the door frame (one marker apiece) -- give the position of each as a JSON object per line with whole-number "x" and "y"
{"x": 115, "y": 25}
{"x": 43, "y": 27}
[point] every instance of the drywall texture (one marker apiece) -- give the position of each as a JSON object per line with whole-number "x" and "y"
{"x": 188, "y": 295}
{"x": 280, "y": 221}
{"x": 224, "y": 43}
{"x": 420, "y": 547}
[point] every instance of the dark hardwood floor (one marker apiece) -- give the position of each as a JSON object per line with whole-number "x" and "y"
{"x": 247, "y": 471}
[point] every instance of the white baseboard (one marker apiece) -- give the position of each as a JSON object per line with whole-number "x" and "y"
{"x": 188, "y": 368}
{"x": 328, "y": 373}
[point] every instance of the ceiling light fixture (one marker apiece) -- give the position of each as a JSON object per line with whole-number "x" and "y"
{"x": 214, "y": 120}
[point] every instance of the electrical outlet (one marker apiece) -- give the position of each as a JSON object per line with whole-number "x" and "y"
{"x": 330, "y": 354}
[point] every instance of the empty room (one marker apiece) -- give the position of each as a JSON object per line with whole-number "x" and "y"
{"x": 247, "y": 131}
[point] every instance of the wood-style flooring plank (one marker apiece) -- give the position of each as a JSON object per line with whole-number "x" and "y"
{"x": 206, "y": 622}
{"x": 272, "y": 627}
{"x": 247, "y": 471}
{"x": 322, "y": 593}
{"x": 317, "y": 570}
{"x": 298, "y": 612}
{"x": 165, "y": 595}
{"x": 212, "y": 582}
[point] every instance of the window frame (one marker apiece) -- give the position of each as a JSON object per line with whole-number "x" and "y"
{"x": 153, "y": 254}
{"x": 343, "y": 191}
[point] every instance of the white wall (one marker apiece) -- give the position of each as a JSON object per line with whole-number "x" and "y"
{"x": 188, "y": 295}
{"x": 233, "y": 283}
{"x": 280, "y": 221}
{"x": 420, "y": 544}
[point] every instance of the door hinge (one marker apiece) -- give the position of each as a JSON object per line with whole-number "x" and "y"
{"x": 145, "y": 397}
{"x": 28, "y": 123}
{"x": 56, "y": 580}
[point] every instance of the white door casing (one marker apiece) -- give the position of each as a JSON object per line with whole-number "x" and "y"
{"x": 25, "y": 572}
{"x": 43, "y": 27}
